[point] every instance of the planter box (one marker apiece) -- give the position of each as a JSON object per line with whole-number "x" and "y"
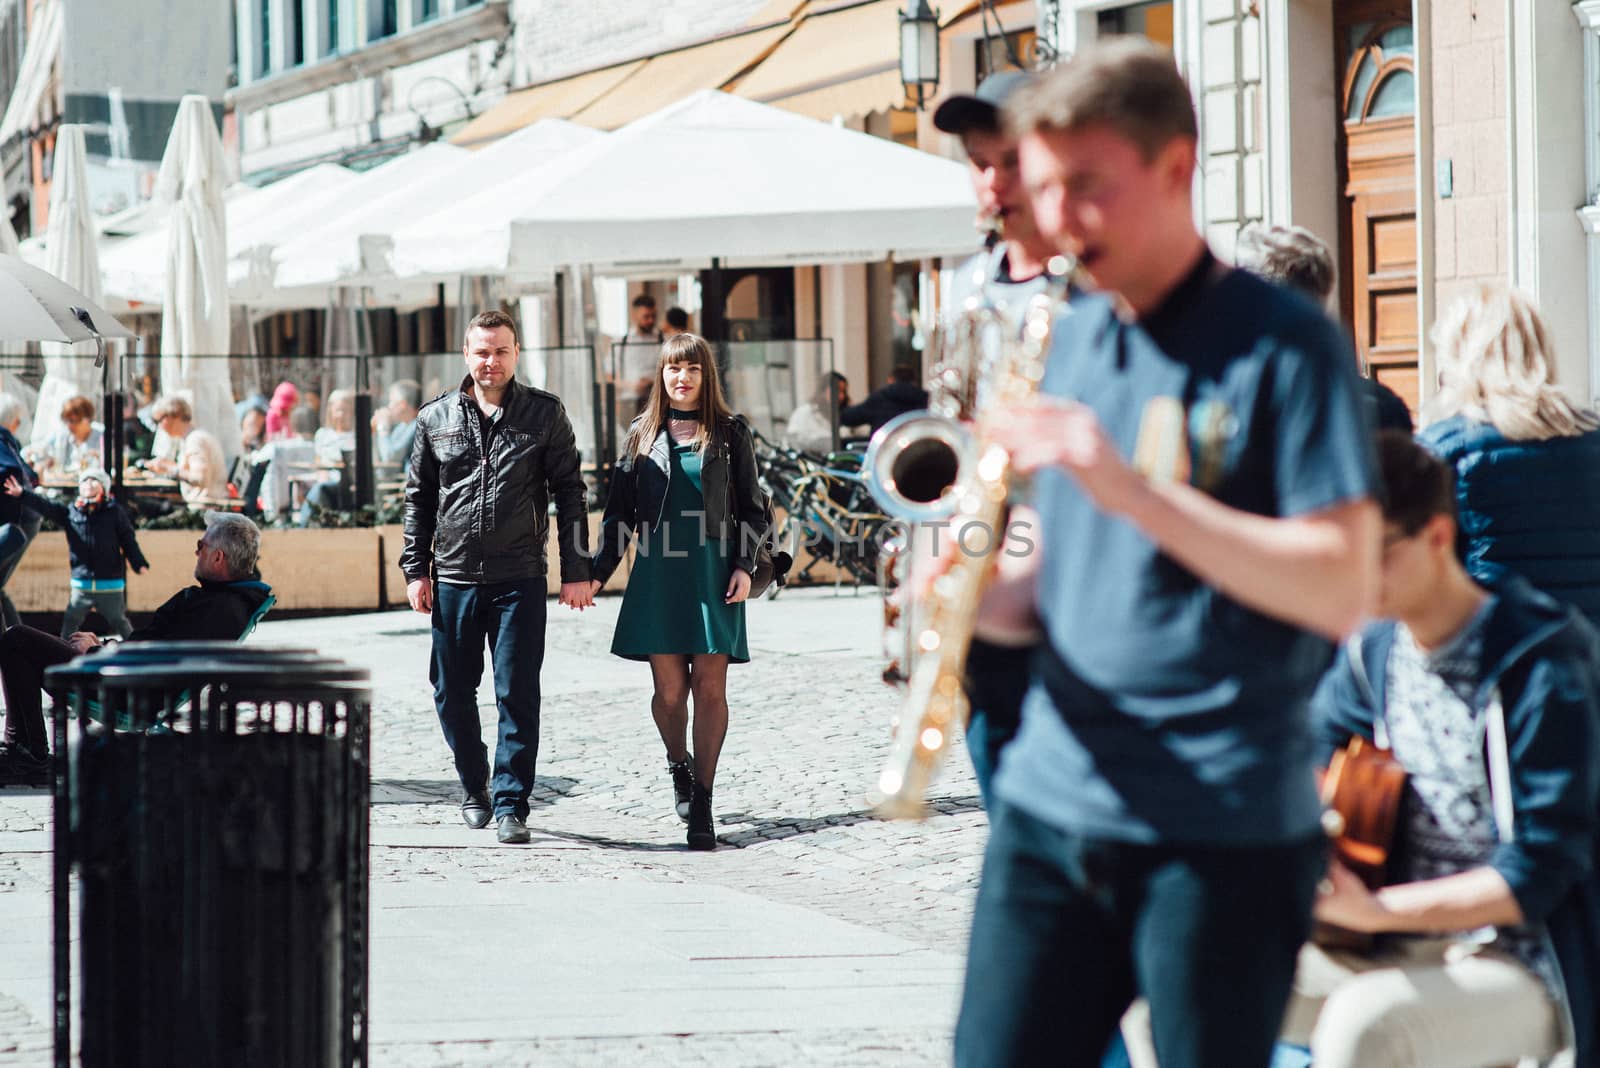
{"x": 307, "y": 569}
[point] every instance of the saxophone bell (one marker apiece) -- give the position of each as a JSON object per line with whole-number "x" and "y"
{"x": 917, "y": 464}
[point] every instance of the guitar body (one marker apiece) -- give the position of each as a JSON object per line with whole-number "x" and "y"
{"x": 1362, "y": 791}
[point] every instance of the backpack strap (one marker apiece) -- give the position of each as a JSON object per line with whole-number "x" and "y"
{"x": 1358, "y": 668}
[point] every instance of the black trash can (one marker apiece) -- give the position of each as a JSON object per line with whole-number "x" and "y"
{"x": 215, "y": 806}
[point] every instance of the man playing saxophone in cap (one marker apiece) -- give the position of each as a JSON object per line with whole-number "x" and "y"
{"x": 991, "y": 297}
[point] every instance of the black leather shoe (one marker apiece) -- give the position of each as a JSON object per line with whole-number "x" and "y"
{"x": 475, "y": 810}
{"x": 19, "y": 767}
{"x": 702, "y": 834}
{"x": 511, "y": 831}
{"x": 682, "y": 785}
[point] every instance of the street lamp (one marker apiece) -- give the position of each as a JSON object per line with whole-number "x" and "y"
{"x": 919, "y": 50}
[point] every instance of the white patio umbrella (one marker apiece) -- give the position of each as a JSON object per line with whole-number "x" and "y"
{"x": 194, "y": 309}
{"x": 72, "y": 257}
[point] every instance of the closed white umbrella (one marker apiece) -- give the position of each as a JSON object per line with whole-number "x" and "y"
{"x": 194, "y": 311}
{"x": 8, "y": 236}
{"x": 72, "y": 257}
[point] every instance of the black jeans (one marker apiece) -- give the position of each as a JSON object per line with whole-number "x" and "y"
{"x": 1068, "y": 930}
{"x": 508, "y": 617}
{"x": 24, "y": 654}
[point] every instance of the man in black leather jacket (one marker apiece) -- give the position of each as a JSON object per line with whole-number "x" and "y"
{"x": 486, "y": 460}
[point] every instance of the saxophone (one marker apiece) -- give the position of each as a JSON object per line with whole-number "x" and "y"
{"x": 925, "y": 467}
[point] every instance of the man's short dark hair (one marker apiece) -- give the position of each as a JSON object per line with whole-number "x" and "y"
{"x": 1126, "y": 83}
{"x": 1289, "y": 255}
{"x": 494, "y": 319}
{"x": 644, "y": 300}
{"x": 903, "y": 372}
{"x": 1417, "y": 485}
{"x": 677, "y": 318}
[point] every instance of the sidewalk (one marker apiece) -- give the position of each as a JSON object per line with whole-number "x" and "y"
{"x": 814, "y": 934}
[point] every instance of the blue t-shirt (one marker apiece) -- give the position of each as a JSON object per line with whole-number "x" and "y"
{"x": 1161, "y": 710}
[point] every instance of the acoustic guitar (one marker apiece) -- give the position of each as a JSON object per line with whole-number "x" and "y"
{"x": 1361, "y": 795}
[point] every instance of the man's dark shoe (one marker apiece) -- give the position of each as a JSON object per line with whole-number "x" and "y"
{"x": 19, "y": 767}
{"x": 682, "y": 785}
{"x": 476, "y": 810}
{"x": 702, "y": 835}
{"x": 511, "y": 831}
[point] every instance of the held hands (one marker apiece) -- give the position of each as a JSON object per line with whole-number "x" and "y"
{"x": 13, "y": 487}
{"x": 1344, "y": 901}
{"x": 738, "y": 587}
{"x": 579, "y": 595}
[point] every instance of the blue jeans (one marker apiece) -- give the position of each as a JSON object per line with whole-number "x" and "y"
{"x": 508, "y": 617}
{"x": 997, "y": 681}
{"x": 1068, "y": 930}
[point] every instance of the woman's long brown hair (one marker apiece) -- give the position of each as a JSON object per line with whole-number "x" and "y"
{"x": 680, "y": 348}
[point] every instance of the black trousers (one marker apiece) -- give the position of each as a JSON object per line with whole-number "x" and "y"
{"x": 25, "y": 653}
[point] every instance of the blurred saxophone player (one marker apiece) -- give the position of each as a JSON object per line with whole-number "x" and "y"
{"x": 989, "y": 301}
{"x": 1155, "y": 829}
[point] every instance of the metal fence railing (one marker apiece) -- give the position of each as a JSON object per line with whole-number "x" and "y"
{"x": 767, "y": 382}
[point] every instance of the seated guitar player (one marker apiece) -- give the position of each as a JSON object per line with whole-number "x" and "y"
{"x": 1487, "y": 945}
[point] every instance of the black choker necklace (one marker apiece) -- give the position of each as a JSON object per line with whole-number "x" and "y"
{"x": 679, "y": 413}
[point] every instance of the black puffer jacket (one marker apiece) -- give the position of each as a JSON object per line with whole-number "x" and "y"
{"x": 736, "y": 509}
{"x": 477, "y": 501}
{"x": 97, "y": 540}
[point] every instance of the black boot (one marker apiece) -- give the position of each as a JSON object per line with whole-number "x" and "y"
{"x": 702, "y": 835}
{"x": 682, "y": 785}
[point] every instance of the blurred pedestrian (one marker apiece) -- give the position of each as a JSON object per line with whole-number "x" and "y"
{"x": 18, "y": 526}
{"x": 1526, "y": 457}
{"x": 1296, "y": 257}
{"x": 900, "y": 395}
{"x": 686, "y": 487}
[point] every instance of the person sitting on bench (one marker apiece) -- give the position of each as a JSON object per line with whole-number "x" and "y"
{"x": 221, "y": 608}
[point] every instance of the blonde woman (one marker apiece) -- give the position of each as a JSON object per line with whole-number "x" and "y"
{"x": 1526, "y": 458}
{"x": 202, "y": 471}
{"x": 686, "y": 487}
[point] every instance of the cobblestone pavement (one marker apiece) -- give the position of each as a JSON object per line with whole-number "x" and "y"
{"x": 808, "y": 733}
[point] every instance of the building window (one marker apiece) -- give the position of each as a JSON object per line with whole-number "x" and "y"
{"x": 1013, "y": 51}
{"x": 426, "y": 10}
{"x": 297, "y": 32}
{"x": 264, "y": 40}
{"x": 330, "y": 24}
{"x": 1152, "y": 20}
{"x": 383, "y": 19}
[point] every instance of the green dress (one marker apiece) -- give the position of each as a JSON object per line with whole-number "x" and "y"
{"x": 674, "y": 600}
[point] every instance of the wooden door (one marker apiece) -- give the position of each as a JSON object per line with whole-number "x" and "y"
{"x": 1378, "y": 159}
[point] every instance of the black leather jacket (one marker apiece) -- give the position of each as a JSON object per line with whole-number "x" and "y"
{"x": 477, "y": 503}
{"x": 735, "y": 506}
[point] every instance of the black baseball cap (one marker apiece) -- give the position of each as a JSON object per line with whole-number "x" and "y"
{"x": 979, "y": 110}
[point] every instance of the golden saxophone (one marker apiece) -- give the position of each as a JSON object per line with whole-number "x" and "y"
{"x": 925, "y": 467}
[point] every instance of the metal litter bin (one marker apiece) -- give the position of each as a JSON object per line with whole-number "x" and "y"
{"x": 215, "y": 807}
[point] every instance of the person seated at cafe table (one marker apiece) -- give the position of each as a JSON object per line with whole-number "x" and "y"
{"x": 78, "y": 443}
{"x": 220, "y": 608}
{"x": 202, "y": 471}
{"x": 174, "y": 421}
{"x": 394, "y": 426}
{"x": 334, "y": 438}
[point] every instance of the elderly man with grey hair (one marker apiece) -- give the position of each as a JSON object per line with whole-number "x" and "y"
{"x": 228, "y": 600}
{"x": 1295, "y": 257}
{"x": 394, "y": 426}
{"x": 18, "y": 525}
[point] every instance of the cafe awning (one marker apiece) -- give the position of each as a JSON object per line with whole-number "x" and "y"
{"x": 674, "y": 75}
{"x": 559, "y": 99}
{"x": 841, "y": 60}
{"x": 34, "y": 75}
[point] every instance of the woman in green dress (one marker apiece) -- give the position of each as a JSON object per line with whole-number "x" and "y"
{"x": 685, "y": 491}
